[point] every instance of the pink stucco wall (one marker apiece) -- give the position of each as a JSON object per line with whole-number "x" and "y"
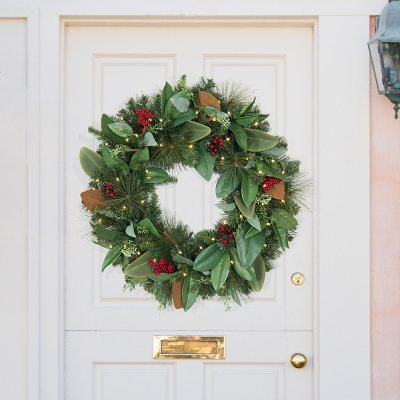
{"x": 385, "y": 247}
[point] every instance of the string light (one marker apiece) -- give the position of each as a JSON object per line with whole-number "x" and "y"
{"x": 241, "y": 216}
{"x": 138, "y": 253}
{"x": 110, "y": 246}
{"x": 231, "y": 262}
{"x": 99, "y": 221}
{"x": 213, "y": 239}
{"x": 222, "y": 158}
{"x": 184, "y": 274}
{"x": 117, "y": 179}
{"x": 190, "y": 146}
{"x": 125, "y": 246}
{"x": 106, "y": 143}
{"x": 260, "y": 172}
{"x": 282, "y": 201}
{"x": 228, "y": 139}
{"x": 197, "y": 113}
{"x": 142, "y": 202}
{"x": 136, "y": 135}
{"x": 265, "y": 245}
{"x": 229, "y": 113}
{"x": 124, "y": 207}
{"x": 201, "y": 247}
{"x": 268, "y": 224}
{"x": 126, "y": 140}
{"x": 180, "y": 251}
{"x": 256, "y": 123}
{"x": 161, "y": 120}
{"x": 161, "y": 145}
{"x": 272, "y": 161}
{"x": 214, "y": 119}
{"x": 97, "y": 180}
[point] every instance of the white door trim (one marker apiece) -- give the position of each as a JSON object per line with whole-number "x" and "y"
{"x": 341, "y": 112}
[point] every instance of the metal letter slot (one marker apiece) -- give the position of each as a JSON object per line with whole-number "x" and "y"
{"x": 189, "y": 347}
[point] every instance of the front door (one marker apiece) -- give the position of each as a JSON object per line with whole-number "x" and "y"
{"x": 109, "y": 332}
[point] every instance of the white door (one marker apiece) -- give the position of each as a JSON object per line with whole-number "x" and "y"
{"x": 109, "y": 333}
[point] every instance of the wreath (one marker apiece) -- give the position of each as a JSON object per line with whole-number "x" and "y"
{"x": 216, "y": 130}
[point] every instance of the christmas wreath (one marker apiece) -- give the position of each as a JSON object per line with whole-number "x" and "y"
{"x": 216, "y": 130}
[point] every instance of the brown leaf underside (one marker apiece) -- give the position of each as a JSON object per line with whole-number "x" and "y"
{"x": 177, "y": 294}
{"x": 277, "y": 191}
{"x": 92, "y": 199}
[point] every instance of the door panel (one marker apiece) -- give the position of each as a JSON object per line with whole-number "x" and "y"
{"x": 105, "y": 66}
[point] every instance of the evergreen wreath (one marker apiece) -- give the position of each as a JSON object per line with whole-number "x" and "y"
{"x": 214, "y": 129}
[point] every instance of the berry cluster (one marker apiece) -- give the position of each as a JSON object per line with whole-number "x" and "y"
{"x": 216, "y": 145}
{"x": 163, "y": 266}
{"x": 225, "y": 235}
{"x": 108, "y": 190}
{"x": 268, "y": 182}
{"x": 145, "y": 117}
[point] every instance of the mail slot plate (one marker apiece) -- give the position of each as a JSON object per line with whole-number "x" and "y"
{"x": 189, "y": 347}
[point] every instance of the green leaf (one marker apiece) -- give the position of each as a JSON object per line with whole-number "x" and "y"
{"x": 240, "y": 135}
{"x": 146, "y": 223}
{"x": 248, "y": 212}
{"x": 205, "y": 166}
{"x": 130, "y": 231}
{"x": 163, "y": 277}
{"x": 182, "y": 260}
{"x": 184, "y": 117}
{"x": 251, "y": 232}
{"x": 226, "y": 206}
{"x": 249, "y": 188}
{"x": 276, "y": 151}
{"x": 259, "y": 140}
{"x": 189, "y": 292}
{"x": 268, "y": 171}
{"x": 220, "y": 272}
{"x": 282, "y": 235}
{"x": 148, "y": 139}
{"x": 208, "y": 258}
{"x": 246, "y": 119}
{"x": 121, "y": 129}
{"x": 107, "y": 132}
{"x": 193, "y": 131}
{"x": 140, "y": 268}
{"x": 155, "y": 175}
{"x": 234, "y": 295}
{"x": 111, "y": 256}
{"x": 255, "y": 222}
{"x": 90, "y": 161}
{"x": 284, "y": 219}
{"x": 214, "y": 112}
{"x": 248, "y": 107}
{"x": 259, "y": 268}
{"x": 227, "y": 182}
{"x": 165, "y": 96}
{"x": 108, "y": 234}
{"x": 137, "y": 160}
{"x": 114, "y": 162}
{"x": 248, "y": 273}
{"x": 249, "y": 248}
{"x": 177, "y": 104}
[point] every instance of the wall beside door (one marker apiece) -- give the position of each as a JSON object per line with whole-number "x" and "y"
{"x": 13, "y": 205}
{"x": 385, "y": 249}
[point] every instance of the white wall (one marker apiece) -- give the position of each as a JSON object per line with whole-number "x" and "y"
{"x": 13, "y": 206}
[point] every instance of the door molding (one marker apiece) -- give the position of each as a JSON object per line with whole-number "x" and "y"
{"x": 341, "y": 110}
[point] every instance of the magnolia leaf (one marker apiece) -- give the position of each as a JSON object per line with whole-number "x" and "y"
{"x": 130, "y": 231}
{"x": 208, "y": 258}
{"x": 226, "y": 206}
{"x": 249, "y": 188}
{"x": 148, "y": 139}
{"x": 259, "y": 140}
{"x": 163, "y": 277}
{"x": 276, "y": 151}
{"x": 249, "y": 248}
{"x": 114, "y": 162}
{"x": 193, "y": 131}
{"x": 251, "y": 232}
{"x": 165, "y": 96}
{"x": 121, "y": 129}
{"x": 259, "y": 268}
{"x": 108, "y": 234}
{"x": 220, "y": 272}
{"x": 90, "y": 161}
{"x": 240, "y": 135}
{"x": 247, "y": 107}
{"x": 247, "y": 211}
{"x": 177, "y": 104}
{"x": 255, "y": 222}
{"x": 111, "y": 256}
{"x": 205, "y": 166}
{"x": 246, "y": 119}
{"x": 107, "y": 132}
{"x": 284, "y": 219}
{"x": 182, "y": 260}
{"x": 140, "y": 268}
{"x": 139, "y": 158}
{"x": 248, "y": 273}
{"x": 282, "y": 235}
{"x": 277, "y": 191}
{"x": 189, "y": 292}
{"x": 93, "y": 199}
{"x": 227, "y": 182}
{"x": 234, "y": 295}
{"x": 146, "y": 223}
{"x": 215, "y": 112}
{"x": 184, "y": 117}
{"x": 155, "y": 175}
{"x": 207, "y": 99}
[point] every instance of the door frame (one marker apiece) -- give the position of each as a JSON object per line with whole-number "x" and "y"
{"x": 341, "y": 110}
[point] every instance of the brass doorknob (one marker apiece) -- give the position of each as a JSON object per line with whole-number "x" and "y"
{"x": 298, "y": 360}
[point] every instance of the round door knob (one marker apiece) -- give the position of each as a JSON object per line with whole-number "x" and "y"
{"x": 298, "y": 360}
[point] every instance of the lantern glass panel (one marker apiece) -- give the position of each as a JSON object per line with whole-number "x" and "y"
{"x": 377, "y": 64}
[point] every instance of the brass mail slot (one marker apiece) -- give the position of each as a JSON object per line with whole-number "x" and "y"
{"x": 189, "y": 347}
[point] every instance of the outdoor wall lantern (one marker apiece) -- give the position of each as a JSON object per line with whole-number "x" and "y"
{"x": 384, "y": 50}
